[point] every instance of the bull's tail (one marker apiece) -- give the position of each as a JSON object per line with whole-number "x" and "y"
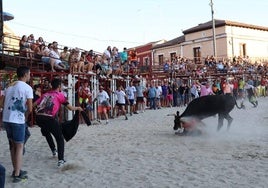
{"x": 242, "y": 106}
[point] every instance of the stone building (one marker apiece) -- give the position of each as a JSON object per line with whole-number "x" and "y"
{"x": 233, "y": 39}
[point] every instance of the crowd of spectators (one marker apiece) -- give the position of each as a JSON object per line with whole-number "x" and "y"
{"x": 181, "y": 66}
{"x": 75, "y": 60}
{"x": 119, "y": 63}
{"x": 112, "y": 62}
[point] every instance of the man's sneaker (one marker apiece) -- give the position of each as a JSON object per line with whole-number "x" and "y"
{"x": 54, "y": 153}
{"x": 22, "y": 173}
{"x": 21, "y": 177}
{"x": 61, "y": 163}
{"x": 126, "y": 118}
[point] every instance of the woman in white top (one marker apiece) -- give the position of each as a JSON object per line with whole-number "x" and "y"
{"x": 121, "y": 100}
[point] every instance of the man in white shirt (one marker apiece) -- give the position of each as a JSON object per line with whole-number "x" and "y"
{"x": 131, "y": 95}
{"x": 103, "y": 104}
{"x": 16, "y": 107}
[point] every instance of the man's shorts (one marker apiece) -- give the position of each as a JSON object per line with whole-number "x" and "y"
{"x": 15, "y": 132}
{"x": 131, "y": 102}
{"x": 102, "y": 109}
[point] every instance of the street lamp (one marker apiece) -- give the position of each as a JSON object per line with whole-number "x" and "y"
{"x": 213, "y": 30}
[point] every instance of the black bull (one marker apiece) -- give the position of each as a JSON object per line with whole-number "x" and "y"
{"x": 206, "y": 106}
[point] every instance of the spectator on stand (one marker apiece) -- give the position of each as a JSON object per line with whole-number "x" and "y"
{"x": 89, "y": 62}
{"x": 124, "y": 59}
{"x": 55, "y": 61}
{"x": 107, "y": 55}
{"x": 64, "y": 56}
{"x": 40, "y": 41}
{"x": 25, "y": 48}
{"x": 73, "y": 60}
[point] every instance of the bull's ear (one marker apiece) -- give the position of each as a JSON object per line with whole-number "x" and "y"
{"x": 178, "y": 113}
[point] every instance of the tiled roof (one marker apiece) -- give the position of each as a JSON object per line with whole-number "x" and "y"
{"x": 220, "y": 23}
{"x": 171, "y": 42}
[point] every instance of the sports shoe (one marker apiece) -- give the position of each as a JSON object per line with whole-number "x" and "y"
{"x": 22, "y": 173}
{"x": 22, "y": 177}
{"x": 126, "y": 118}
{"x": 61, "y": 163}
{"x": 54, "y": 153}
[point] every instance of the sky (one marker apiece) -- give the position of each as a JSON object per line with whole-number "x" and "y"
{"x": 91, "y": 24}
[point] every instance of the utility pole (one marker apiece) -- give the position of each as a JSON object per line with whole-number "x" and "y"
{"x": 213, "y": 30}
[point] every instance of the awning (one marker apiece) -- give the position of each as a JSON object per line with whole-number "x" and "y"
{"x": 7, "y": 16}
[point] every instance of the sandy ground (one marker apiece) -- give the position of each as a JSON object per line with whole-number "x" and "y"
{"x": 144, "y": 152}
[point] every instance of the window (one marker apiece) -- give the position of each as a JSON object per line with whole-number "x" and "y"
{"x": 197, "y": 54}
{"x": 243, "y": 51}
{"x": 161, "y": 59}
{"x": 173, "y": 56}
{"x": 146, "y": 61}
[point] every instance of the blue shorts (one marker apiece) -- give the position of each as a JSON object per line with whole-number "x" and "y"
{"x": 15, "y": 132}
{"x": 131, "y": 101}
{"x": 45, "y": 60}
